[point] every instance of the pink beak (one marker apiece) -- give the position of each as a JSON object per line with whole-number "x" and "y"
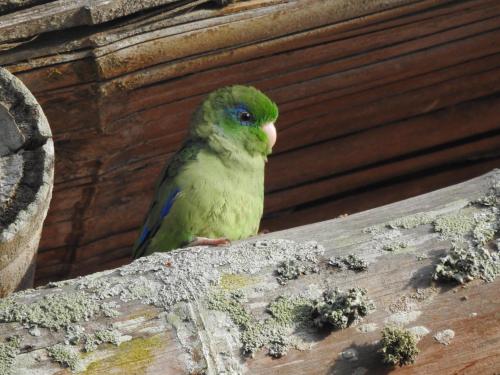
{"x": 270, "y": 131}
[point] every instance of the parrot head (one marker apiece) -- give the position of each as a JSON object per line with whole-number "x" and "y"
{"x": 237, "y": 116}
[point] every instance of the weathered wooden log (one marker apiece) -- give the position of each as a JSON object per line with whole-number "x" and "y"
{"x": 257, "y": 306}
{"x": 26, "y": 178}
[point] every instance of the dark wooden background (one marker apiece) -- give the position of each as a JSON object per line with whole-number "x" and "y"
{"x": 379, "y": 102}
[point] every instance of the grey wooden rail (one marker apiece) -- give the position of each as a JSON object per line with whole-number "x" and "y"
{"x": 252, "y": 307}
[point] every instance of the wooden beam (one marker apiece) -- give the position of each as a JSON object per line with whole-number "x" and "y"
{"x": 177, "y": 312}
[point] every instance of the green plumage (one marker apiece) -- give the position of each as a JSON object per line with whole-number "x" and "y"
{"x": 214, "y": 186}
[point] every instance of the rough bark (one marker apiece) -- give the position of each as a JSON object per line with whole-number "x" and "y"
{"x": 195, "y": 310}
{"x": 26, "y": 179}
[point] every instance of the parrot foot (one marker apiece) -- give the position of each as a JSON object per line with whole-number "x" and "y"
{"x": 204, "y": 241}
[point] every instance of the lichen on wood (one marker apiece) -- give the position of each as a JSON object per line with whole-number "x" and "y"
{"x": 470, "y": 231}
{"x": 8, "y": 352}
{"x": 470, "y": 256}
{"x": 292, "y": 269}
{"x": 273, "y": 333}
{"x": 54, "y": 311}
{"x": 66, "y": 355}
{"x": 109, "y": 335}
{"x": 466, "y": 264}
{"x": 445, "y": 336}
{"x": 399, "y": 346}
{"x": 351, "y": 262}
{"x": 339, "y": 309}
{"x": 68, "y": 305}
{"x": 204, "y": 310}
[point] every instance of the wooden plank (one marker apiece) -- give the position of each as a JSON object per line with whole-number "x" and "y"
{"x": 353, "y": 99}
{"x": 337, "y": 56}
{"x": 384, "y": 193}
{"x": 64, "y": 14}
{"x": 10, "y": 5}
{"x": 166, "y": 325}
{"x": 158, "y": 122}
{"x": 155, "y": 48}
{"x": 343, "y": 183}
{"x": 58, "y": 50}
{"x": 381, "y": 143}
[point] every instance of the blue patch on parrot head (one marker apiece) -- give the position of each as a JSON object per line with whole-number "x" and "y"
{"x": 242, "y": 115}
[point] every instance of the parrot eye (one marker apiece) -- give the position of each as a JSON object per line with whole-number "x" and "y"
{"x": 241, "y": 114}
{"x": 245, "y": 116}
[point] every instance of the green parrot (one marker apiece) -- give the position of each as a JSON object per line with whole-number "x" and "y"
{"x": 212, "y": 191}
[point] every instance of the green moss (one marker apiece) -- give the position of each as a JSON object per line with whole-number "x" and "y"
{"x": 8, "y": 353}
{"x": 291, "y": 310}
{"x": 231, "y": 282}
{"x": 52, "y": 311}
{"x": 339, "y": 309}
{"x": 66, "y": 355}
{"x": 399, "y": 346}
{"x": 292, "y": 269}
{"x": 351, "y": 261}
{"x": 131, "y": 358}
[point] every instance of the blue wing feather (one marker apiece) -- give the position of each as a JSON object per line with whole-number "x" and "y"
{"x": 169, "y": 203}
{"x": 164, "y": 212}
{"x": 144, "y": 235}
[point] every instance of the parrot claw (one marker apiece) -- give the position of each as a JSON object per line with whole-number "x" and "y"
{"x": 204, "y": 241}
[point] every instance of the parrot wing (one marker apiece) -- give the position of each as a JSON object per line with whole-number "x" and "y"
{"x": 165, "y": 194}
